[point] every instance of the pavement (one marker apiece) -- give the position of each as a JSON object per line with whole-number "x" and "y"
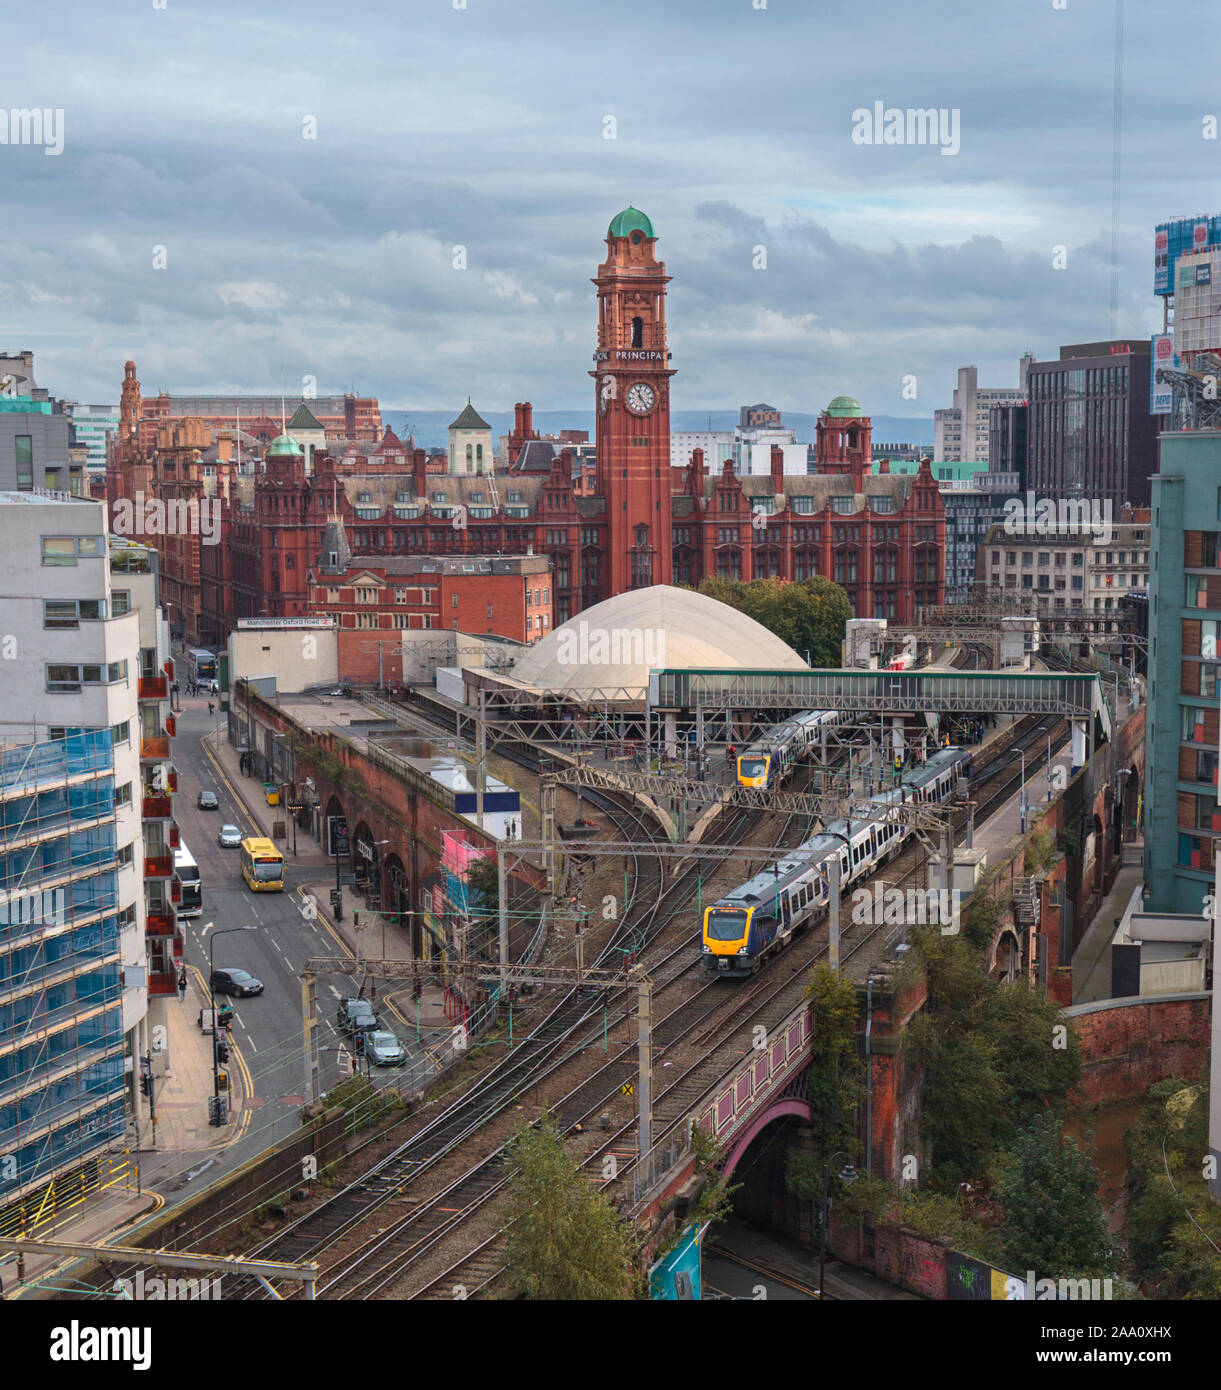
{"x": 741, "y": 1258}
{"x": 1092, "y": 958}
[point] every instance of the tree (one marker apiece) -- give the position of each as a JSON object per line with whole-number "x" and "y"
{"x": 1053, "y": 1216}
{"x": 835, "y": 1079}
{"x": 566, "y": 1240}
{"x": 809, "y": 615}
{"x": 483, "y": 876}
{"x": 993, "y": 1057}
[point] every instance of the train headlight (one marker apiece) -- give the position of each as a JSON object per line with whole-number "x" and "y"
{"x": 742, "y": 950}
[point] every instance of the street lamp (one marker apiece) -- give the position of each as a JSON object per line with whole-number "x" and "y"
{"x": 847, "y": 1175}
{"x": 215, "y": 1116}
{"x": 1022, "y": 801}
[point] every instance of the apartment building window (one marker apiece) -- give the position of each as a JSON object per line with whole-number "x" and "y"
{"x": 1208, "y": 638}
{"x": 122, "y": 796}
{"x": 124, "y": 855}
{"x": 120, "y": 733}
{"x": 366, "y": 593}
{"x": 1193, "y": 724}
{"x": 1191, "y": 852}
{"x": 63, "y": 678}
{"x": 366, "y": 620}
{"x": 1027, "y": 560}
{"x": 1208, "y": 680}
{"x": 71, "y": 612}
{"x": 120, "y": 602}
{"x": 66, "y": 550}
{"x": 1197, "y": 591}
{"x": 400, "y": 595}
{"x": 454, "y": 600}
{"x": 490, "y": 614}
{"x": 1206, "y": 768}
{"x": 25, "y": 462}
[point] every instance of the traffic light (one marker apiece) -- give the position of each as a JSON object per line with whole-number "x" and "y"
{"x": 358, "y": 1044}
{"x": 146, "y": 1084}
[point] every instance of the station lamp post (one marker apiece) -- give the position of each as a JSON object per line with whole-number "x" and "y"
{"x": 847, "y": 1175}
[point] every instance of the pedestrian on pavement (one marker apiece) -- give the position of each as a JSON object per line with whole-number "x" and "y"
{"x": 182, "y": 986}
{"x": 210, "y": 706}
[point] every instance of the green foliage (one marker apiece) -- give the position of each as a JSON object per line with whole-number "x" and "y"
{"x": 980, "y": 917}
{"x": 1166, "y": 1151}
{"x": 1041, "y": 852}
{"x": 836, "y": 1076}
{"x": 810, "y": 615}
{"x": 566, "y": 1240}
{"x": 991, "y": 1058}
{"x": 715, "y": 1200}
{"x": 362, "y": 1102}
{"x": 484, "y": 877}
{"x": 941, "y": 1217}
{"x": 1053, "y": 1217}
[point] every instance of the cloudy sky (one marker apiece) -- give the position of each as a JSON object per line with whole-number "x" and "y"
{"x": 485, "y": 127}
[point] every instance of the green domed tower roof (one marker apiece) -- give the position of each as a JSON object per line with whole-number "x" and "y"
{"x": 282, "y": 445}
{"x": 631, "y": 220}
{"x": 844, "y": 405}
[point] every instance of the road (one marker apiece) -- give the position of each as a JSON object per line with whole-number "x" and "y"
{"x": 266, "y": 1029}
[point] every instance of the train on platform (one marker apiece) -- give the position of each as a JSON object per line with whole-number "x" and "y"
{"x": 760, "y": 917}
{"x": 776, "y": 752}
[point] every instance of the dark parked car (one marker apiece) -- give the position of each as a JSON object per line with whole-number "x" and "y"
{"x": 207, "y": 801}
{"x": 357, "y": 1016}
{"x": 384, "y": 1050}
{"x": 238, "y": 982}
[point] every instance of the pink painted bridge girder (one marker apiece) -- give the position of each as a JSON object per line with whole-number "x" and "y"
{"x": 776, "y": 1110}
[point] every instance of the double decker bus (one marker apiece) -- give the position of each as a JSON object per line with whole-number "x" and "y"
{"x": 186, "y": 870}
{"x": 262, "y": 866}
{"x": 201, "y": 665}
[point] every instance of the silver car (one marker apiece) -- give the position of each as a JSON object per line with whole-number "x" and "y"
{"x": 229, "y": 836}
{"x": 384, "y": 1050}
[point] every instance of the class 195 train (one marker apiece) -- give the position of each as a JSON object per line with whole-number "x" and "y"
{"x": 774, "y": 754}
{"x": 760, "y": 917}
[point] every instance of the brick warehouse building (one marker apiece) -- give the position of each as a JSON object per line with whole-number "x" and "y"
{"x": 881, "y": 536}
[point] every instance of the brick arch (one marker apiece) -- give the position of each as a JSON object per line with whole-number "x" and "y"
{"x": 776, "y": 1110}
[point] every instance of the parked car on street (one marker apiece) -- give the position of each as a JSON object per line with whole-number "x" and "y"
{"x": 237, "y": 982}
{"x": 356, "y": 1016}
{"x": 207, "y": 801}
{"x": 385, "y": 1050}
{"x": 229, "y": 836}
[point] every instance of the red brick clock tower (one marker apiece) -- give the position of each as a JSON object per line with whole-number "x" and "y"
{"x": 632, "y": 398}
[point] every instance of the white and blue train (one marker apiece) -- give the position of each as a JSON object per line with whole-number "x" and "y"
{"x": 760, "y": 917}
{"x": 772, "y": 756}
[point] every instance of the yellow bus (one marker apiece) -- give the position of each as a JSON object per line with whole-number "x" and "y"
{"x": 262, "y": 866}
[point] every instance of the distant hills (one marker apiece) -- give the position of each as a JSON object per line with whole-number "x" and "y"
{"x": 431, "y": 427}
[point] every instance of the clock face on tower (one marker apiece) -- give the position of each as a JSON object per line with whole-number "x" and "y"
{"x": 641, "y": 398}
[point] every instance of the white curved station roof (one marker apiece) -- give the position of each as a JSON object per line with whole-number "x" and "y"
{"x": 617, "y": 642}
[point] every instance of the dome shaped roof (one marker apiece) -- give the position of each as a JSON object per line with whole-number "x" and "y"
{"x": 283, "y": 444}
{"x": 617, "y": 642}
{"x": 631, "y": 220}
{"x": 844, "y": 405}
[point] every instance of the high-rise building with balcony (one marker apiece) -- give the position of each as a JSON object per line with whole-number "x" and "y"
{"x": 1182, "y": 817}
{"x": 87, "y": 927}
